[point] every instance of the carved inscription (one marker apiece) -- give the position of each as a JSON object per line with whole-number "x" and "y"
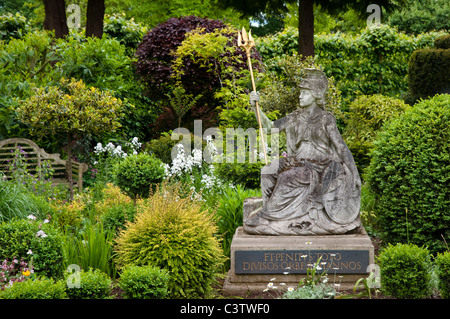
{"x": 297, "y": 262}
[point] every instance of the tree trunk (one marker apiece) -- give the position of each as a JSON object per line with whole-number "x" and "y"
{"x": 306, "y": 28}
{"x": 69, "y": 165}
{"x": 55, "y": 17}
{"x": 94, "y": 18}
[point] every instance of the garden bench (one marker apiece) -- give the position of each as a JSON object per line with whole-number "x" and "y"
{"x": 35, "y": 156}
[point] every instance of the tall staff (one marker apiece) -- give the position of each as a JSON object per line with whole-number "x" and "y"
{"x": 247, "y": 45}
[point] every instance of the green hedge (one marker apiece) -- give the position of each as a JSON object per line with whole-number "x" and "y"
{"x": 442, "y": 262}
{"x": 442, "y": 42}
{"x": 42, "y": 288}
{"x": 375, "y": 61}
{"x": 409, "y": 175}
{"x": 146, "y": 282}
{"x": 429, "y": 73}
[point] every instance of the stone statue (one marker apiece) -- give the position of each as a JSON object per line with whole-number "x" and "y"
{"x": 316, "y": 188}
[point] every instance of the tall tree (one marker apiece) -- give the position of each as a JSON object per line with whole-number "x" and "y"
{"x": 94, "y": 18}
{"x": 55, "y": 17}
{"x": 249, "y": 8}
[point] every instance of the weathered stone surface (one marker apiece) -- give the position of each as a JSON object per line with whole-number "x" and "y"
{"x": 316, "y": 188}
{"x": 349, "y": 257}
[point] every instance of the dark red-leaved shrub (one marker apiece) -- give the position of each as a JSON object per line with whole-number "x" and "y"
{"x": 154, "y": 66}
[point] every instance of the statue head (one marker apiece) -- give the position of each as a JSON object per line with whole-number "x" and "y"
{"x": 313, "y": 88}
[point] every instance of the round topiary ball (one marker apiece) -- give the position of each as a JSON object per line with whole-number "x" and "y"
{"x": 138, "y": 174}
{"x": 409, "y": 175}
{"x": 174, "y": 233}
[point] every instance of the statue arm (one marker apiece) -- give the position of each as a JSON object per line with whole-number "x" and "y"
{"x": 265, "y": 121}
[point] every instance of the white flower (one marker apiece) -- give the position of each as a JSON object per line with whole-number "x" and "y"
{"x": 29, "y": 252}
{"x": 46, "y": 221}
{"x": 31, "y": 217}
{"x": 41, "y": 234}
{"x": 98, "y": 148}
{"x": 270, "y": 284}
{"x": 290, "y": 289}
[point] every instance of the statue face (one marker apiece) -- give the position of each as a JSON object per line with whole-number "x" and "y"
{"x": 306, "y": 98}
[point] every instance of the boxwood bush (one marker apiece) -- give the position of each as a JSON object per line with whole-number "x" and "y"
{"x": 41, "y": 288}
{"x": 138, "y": 174}
{"x": 442, "y": 262}
{"x": 409, "y": 175}
{"x": 144, "y": 282}
{"x": 405, "y": 271}
{"x": 94, "y": 284}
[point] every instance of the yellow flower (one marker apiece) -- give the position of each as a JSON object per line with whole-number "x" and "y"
{"x": 26, "y": 273}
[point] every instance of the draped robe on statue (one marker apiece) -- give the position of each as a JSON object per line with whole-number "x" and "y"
{"x": 313, "y": 189}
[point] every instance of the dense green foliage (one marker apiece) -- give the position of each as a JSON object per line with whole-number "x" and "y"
{"x": 12, "y": 26}
{"x": 365, "y": 118}
{"x": 442, "y": 262}
{"x": 18, "y": 202}
{"x": 428, "y": 73}
{"x": 137, "y": 175}
{"x": 93, "y": 284}
{"x": 43, "y": 288}
{"x": 419, "y": 16}
{"x": 182, "y": 238}
{"x": 198, "y": 54}
{"x": 374, "y": 61}
{"x": 229, "y": 214}
{"x": 405, "y": 271}
{"x": 442, "y": 42}
{"x": 33, "y": 239}
{"x": 144, "y": 282}
{"x": 410, "y": 175}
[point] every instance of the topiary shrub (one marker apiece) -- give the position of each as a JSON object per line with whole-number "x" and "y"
{"x": 174, "y": 233}
{"x": 428, "y": 71}
{"x": 405, "y": 271}
{"x": 144, "y": 282}
{"x": 442, "y": 42}
{"x": 365, "y": 118}
{"x": 33, "y": 239}
{"x": 409, "y": 175}
{"x": 41, "y": 288}
{"x": 138, "y": 174}
{"x": 442, "y": 262}
{"x": 94, "y": 284}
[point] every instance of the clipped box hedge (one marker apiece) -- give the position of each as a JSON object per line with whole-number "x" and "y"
{"x": 429, "y": 73}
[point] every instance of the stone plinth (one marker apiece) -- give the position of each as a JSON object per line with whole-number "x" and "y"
{"x": 257, "y": 259}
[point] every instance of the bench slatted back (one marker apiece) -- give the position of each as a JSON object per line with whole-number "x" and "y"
{"x": 36, "y": 158}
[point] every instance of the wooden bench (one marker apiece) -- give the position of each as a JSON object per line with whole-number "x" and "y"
{"x": 35, "y": 156}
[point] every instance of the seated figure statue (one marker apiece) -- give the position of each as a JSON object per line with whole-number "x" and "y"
{"x": 316, "y": 188}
